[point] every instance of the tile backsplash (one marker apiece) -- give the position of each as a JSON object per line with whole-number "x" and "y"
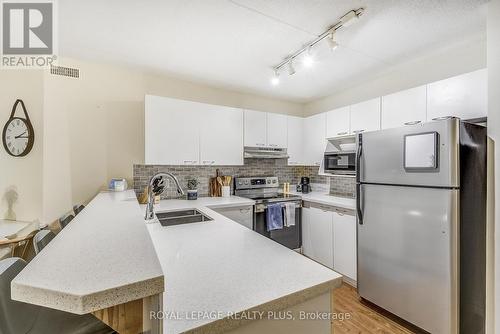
{"x": 343, "y": 186}
{"x": 252, "y": 167}
{"x": 338, "y": 186}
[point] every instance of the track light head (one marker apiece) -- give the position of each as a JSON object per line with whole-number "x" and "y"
{"x": 351, "y": 17}
{"x": 291, "y": 69}
{"x": 308, "y": 59}
{"x": 332, "y": 43}
{"x": 275, "y": 80}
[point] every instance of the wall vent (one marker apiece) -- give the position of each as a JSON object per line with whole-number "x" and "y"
{"x": 65, "y": 71}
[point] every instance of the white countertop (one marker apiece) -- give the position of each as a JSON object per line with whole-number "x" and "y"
{"x": 102, "y": 258}
{"x": 221, "y": 266}
{"x": 106, "y": 256}
{"x": 327, "y": 199}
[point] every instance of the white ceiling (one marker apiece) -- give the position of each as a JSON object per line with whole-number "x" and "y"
{"x": 233, "y": 44}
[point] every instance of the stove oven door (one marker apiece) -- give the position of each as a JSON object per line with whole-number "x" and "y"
{"x": 290, "y": 237}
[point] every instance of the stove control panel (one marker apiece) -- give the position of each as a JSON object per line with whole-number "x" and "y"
{"x": 256, "y": 182}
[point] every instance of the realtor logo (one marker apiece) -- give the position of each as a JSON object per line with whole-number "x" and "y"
{"x": 27, "y": 31}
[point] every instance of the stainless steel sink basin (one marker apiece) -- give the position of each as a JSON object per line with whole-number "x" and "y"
{"x": 179, "y": 217}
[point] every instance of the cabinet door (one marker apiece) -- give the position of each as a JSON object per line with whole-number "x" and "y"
{"x": 344, "y": 244}
{"x": 255, "y": 130}
{"x": 171, "y": 131}
{"x": 295, "y": 140}
{"x": 464, "y": 96}
{"x": 314, "y": 139}
{"x": 365, "y": 116}
{"x": 241, "y": 214}
{"x": 404, "y": 108}
{"x": 221, "y": 136}
{"x": 317, "y": 235}
{"x": 337, "y": 122}
{"x": 276, "y": 130}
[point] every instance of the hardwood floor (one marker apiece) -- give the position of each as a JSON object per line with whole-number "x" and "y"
{"x": 359, "y": 317}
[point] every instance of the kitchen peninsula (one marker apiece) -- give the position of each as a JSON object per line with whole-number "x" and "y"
{"x": 181, "y": 270}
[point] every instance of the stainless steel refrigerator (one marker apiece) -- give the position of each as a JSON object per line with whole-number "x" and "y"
{"x": 421, "y": 207}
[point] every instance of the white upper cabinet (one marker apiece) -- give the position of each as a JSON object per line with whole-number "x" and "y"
{"x": 338, "y": 122}
{"x": 221, "y": 136}
{"x": 464, "y": 96}
{"x": 276, "y": 130}
{"x": 365, "y": 116}
{"x": 255, "y": 130}
{"x": 171, "y": 131}
{"x": 404, "y": 108}
{"x": 314, "y": 139}
{"x": 295, "y": 140}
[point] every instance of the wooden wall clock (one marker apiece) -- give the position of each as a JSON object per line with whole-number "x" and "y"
{"x": 18, "y": 135}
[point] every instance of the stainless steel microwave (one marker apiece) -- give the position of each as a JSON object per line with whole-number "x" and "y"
{"x": 343, "y": 162}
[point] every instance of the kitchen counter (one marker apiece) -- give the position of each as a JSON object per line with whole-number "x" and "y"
{"x": 108, "y": 255}
{"x": 221, "y": 266}
{"x": 327, "y": 199}
{"x": 103, "y": 257}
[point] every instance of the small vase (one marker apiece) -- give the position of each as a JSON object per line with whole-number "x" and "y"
{"x": 192, "y": 194}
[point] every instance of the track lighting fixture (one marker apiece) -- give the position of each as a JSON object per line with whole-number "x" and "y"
{"x": 291, "y": 69}
{"x": 332, "y": 43}
{"x": 275, "y": 80}
{"x": 306, "y": 52}
{"x": 308, "y": 59}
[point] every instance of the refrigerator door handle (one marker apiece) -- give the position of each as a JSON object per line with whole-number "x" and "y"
{"x": 358, "y": 204}
{"x": 359, "y": 151}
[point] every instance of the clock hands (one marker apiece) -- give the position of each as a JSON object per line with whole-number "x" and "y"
{"x": 21, "y": 135}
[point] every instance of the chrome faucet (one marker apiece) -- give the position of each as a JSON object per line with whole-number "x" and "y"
{"x": 157, "y": 184}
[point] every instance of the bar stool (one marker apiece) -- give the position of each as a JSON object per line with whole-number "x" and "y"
{"x": 42, "y": 239}
{"x": 77, "y": 208}
{"x": 64, "y": 221}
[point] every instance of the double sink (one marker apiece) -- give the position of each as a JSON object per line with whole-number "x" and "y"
{"x": 179, "y": 217}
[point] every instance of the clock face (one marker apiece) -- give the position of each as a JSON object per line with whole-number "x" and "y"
{"x": 18, "y": 137}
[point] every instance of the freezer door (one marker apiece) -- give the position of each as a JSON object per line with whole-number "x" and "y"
{"x": 424, "y": 154}
{"x": 407, "y": 254}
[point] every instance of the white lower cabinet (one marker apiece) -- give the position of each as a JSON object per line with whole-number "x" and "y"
{"x": 317, "y": 235}
{"x": 240, "y": 214}
{"x": 344, "y": 244}
{"x": 329, "y": 237}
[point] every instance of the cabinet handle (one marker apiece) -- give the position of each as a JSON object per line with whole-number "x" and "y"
{"x": 273, "y": 145}
{"x": 317, "y": 163}
{"x": 244, "y": 210}
{"x": 206, "y": 162}
{"x": 358, "y": 131}
{"x": 187, "y": 162}
{"x": 341, "y": 133}
{"x": 260, "y": 144}
{"x": 412, "y": 122}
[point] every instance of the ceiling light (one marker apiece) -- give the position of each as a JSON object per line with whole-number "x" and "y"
{"x": 308, "y": 59}
{"x": 291, "y": 70}
{"x": 275, "y": 80}
{"x": 305, "y": 52}
{"x": 350, "y": 18}
{"x": 332, "y": 43}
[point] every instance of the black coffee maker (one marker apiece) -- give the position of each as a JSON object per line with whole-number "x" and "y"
{"x": 304, "y": 184}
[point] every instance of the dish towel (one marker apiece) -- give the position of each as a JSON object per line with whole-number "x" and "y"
{"x": 289, "y": 214}
{"x": 274, "y": 217}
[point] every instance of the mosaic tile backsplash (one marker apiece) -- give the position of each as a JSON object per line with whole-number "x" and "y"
{"x": 251, "y": 167}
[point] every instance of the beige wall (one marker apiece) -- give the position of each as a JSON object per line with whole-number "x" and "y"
{"x": 94, "y": 126}
{"x": 21, "y": 177}
{"x": 494, "y": 133}
{"x": 443, "y": 63}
